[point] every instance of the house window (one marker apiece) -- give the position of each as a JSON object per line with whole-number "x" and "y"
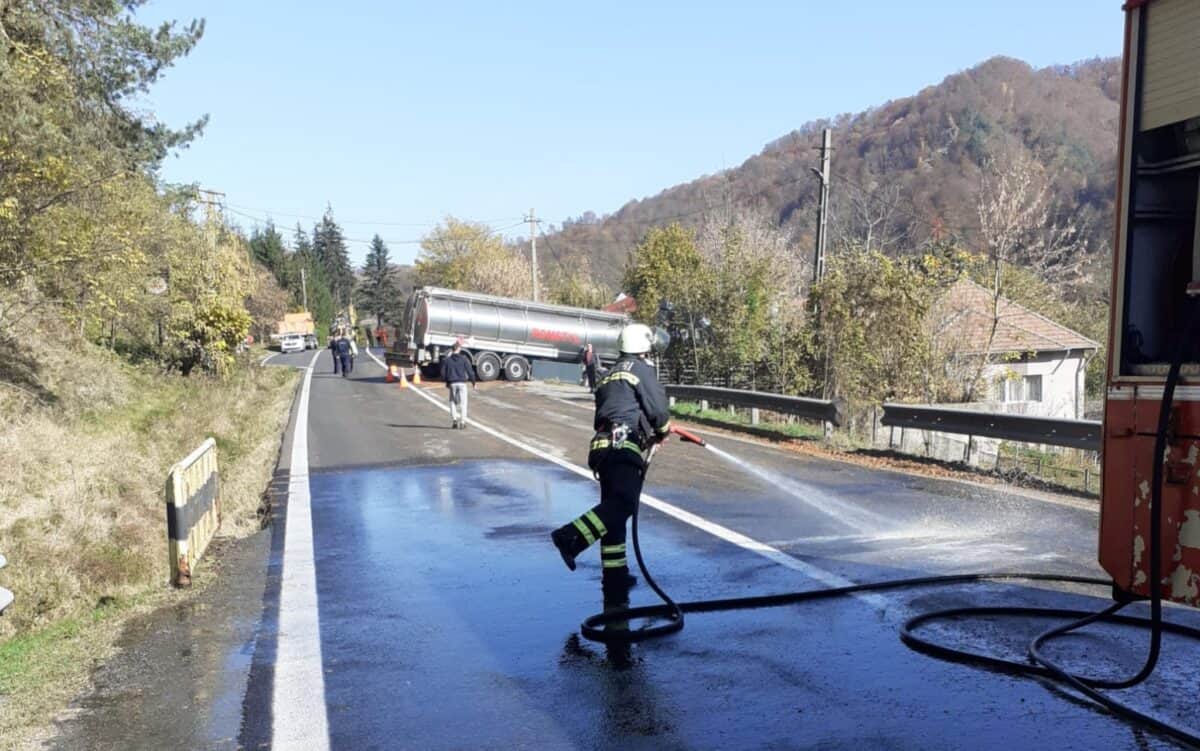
{"x": 1024, "y": 389}
{"x": 1033, "y": 388}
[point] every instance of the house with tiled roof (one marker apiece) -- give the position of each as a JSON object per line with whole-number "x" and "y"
{"x": 1034, "y": 365}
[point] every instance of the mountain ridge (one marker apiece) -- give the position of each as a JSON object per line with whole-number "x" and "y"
{"x": 922, "y": 155}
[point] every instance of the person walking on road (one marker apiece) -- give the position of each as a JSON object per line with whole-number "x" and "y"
{"x": 333, "y": 340}
{"x": 631, "y": 417}
{"x": 343, "y": 355}
{"x": 588, "y": 357}
{"x": 456, "y": 371}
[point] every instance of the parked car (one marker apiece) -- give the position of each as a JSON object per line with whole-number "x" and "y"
{"x": 291, "y": 343}
{"x": 310, "y": 341}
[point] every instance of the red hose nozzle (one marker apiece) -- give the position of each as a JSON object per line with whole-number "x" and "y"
{"x": 688, "y": 436}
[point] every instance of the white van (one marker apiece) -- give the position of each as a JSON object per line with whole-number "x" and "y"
{"x": 291, "y": 343}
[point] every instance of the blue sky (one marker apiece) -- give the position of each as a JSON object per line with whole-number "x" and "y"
{"x": 399, "y": 113}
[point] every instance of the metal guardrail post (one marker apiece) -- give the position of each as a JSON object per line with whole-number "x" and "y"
{"x": 6, "y": 597}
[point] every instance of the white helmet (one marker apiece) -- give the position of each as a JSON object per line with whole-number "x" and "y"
{"x": 636, "y": 339}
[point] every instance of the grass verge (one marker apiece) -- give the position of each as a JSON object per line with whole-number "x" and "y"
{"x": 82, "y": 520}
{"x": 741, "y": 420}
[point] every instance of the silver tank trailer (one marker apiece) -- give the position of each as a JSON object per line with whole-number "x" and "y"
{"x": 500, "y": 332}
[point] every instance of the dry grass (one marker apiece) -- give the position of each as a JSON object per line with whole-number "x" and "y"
{"x": 82, "y": 519}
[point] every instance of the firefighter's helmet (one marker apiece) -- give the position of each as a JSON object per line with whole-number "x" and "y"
{"x": 636, "y": 339}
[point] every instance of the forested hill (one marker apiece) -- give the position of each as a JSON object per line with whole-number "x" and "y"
{"x": 903, "y": 172}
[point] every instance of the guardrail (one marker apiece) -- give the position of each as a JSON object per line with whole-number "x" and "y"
{"x": 831, "y": 411}
{"x": 6, "y": 597}
{"x": 193, "y": 510}
{"x": 1078, "y": 434}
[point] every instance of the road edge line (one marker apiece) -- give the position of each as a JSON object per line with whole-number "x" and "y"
{"x": 769, "y": 552}
{"x": 299, "y": 716}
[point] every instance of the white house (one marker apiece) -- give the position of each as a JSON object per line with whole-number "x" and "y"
{"x": 1035, "y": 366}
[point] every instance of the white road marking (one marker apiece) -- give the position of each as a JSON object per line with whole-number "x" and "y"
{"x": 299, "y": 718}
{"x": 827, "y": 578}
{"x": 263, "y": 361}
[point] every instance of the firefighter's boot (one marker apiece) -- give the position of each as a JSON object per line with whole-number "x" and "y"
{"x": 569, "y": 542}
{"x": 615, "y": 583}
{"x": 574, "y": 538}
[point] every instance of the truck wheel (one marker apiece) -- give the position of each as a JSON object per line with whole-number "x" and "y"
{"x": 516, "y": 368}
{"x": 487, "y": 366}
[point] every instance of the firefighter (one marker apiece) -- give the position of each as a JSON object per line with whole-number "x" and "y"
{"x": 631, "y": 417}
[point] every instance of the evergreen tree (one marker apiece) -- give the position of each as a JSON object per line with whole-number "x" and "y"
{"x": 329, "y": 245}
{"x": 320, "y": 298}
{"x": 379, "y": 293}
{"x": 268, "y": 249}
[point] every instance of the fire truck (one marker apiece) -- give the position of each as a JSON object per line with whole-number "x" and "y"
{"x": 1150, "y": 507}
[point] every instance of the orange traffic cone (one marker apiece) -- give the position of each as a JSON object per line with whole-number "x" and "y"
{"x": 403, "y": 380}
{"x": 391, "y": 374}
{"x": 417, "y": 375}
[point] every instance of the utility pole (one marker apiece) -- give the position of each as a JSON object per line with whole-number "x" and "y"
{"x": 533, "y": 251}
{"x": 823, "y": 205}
{"x": 304, "y": 287}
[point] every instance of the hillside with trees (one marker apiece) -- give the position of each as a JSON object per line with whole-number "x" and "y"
{"x": 905, "y": 173}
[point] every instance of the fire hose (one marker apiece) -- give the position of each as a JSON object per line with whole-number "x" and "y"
{"x": 672, "y": 613}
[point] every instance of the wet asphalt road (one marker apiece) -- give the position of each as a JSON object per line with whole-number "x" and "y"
{"x": 447, "y": 621}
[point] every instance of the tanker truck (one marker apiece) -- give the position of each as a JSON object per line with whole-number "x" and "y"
{"x": 501, "y": 335}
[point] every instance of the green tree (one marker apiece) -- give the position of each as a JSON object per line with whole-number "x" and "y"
{"x": 320, "y": 297}
{"x": 70, "y": 73}
{"x": 329, "y": 246}
{"x": 870, "y": 337}
{"x": 379, "y": 292}
{"x": 266, "y": 246}
{"x": 668, "y": 267}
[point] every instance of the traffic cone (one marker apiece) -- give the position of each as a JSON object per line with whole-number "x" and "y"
{"x": 403, "y": 380}
{"x": 391, "y": 374}
{"x": 417, "y": 375}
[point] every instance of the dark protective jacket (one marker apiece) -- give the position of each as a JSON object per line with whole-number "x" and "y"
{"x": 457, "y": 368}
{"x": 342, "y": 347}
{"x": 630, "y": 394}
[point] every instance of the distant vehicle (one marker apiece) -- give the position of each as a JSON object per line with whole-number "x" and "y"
{"x": 292, "y": 343}
{"x": 296, "y": 324}
{"x": 501, "y": 335}
{"x": 310, "y": 341}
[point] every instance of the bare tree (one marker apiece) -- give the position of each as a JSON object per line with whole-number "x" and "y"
{"x": 1022, "y": 223}
{"x": 870, "y": 215}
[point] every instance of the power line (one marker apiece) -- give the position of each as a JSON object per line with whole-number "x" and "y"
{"x": 417, "y": 241}
{"x": 271, "y": 212}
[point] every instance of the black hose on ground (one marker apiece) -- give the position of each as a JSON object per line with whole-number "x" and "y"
{"x": 595, "y": 627}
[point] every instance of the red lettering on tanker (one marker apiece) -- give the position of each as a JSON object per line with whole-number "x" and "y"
{"x": 558, "y": 337}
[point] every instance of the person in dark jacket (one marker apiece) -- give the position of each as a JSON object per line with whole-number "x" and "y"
{"x": 590, "y": 365}
{"x": 456, "y": 371}
{"x": 333, "y": 339}
{"x": 343, "y": 351}
{"x": 632, "y": 415}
